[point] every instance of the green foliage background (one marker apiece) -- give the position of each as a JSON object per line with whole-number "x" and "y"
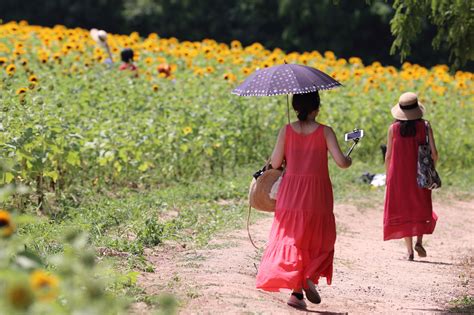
{"x": 349, "y": 28}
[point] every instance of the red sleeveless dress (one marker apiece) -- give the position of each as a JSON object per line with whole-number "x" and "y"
{"x": 408, "y": 208}
{"x": 302, "y": 237}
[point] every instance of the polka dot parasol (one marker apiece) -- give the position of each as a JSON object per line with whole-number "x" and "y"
{"x": 285, "y": 79}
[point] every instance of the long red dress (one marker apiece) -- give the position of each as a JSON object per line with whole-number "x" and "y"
{"x": 302, "y": 237}
{"x": 408, "y": 208}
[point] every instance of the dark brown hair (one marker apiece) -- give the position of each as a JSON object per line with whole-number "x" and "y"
{"x": 304, "y": 104}
{"x": 408, "y": 127}
{"x": 126, "y": 55}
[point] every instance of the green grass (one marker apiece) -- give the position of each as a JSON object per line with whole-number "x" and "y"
{"x": 129, "y": 220}
{"x": 463, "y": 304}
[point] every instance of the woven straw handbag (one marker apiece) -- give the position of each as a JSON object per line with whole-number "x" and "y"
{"x": 260, "y": 188}
{"x": 259, "y": 191}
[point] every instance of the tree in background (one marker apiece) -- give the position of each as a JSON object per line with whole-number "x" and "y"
{"x": 348, "y": 28}
{"x": 454, "y": 21}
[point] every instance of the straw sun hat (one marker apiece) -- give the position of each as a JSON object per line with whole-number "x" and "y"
{"x": 408, "y": 107}
{"x": 99, "y": 36}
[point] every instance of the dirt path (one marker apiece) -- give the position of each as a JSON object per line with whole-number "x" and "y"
{"x": 369, "y": 276}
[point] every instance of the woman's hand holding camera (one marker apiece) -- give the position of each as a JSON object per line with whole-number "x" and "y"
{"x": 349, "y": 161}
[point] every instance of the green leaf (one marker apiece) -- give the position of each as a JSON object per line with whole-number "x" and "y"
{"x": 117, "y": 166}
{"x": 184, "y": 148}
{"x": 102, "y": 161}
{"x": 144, "y": 166}
{"x": 9, "y": 177}
{"x": 133, "y": 276}
{"x": 73, "y": 158}
{"x": 52, "y": 174}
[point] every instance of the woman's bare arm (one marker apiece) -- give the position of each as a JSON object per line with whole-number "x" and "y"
{"x": 333, "y": 146}
{"x": 434, "y": 151}
{"x": 278, "y": 154}
{"x": 388, "y": 154}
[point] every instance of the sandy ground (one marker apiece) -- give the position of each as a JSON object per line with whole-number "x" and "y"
{"x": 370, "y": 276}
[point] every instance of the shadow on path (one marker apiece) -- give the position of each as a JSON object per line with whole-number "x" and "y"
{"x": 433, "y": 262}
{"x": 306, "y": 310}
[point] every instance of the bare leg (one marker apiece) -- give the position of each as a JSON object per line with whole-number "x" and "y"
{"x": 409, "y": 244}
{"x": 419, "y": 239}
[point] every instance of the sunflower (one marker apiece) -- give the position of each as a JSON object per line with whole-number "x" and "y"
{"x": 440, "y": 90}
{"x": 33, "y": 78}
{"x": 329, "y": 55}
{"x": 24, "y": 62}
{"x": 355, "y": 61}
{"x": 392, "y": 70}
{"x": 155, "y": 88}
{"x": 209, "y": 69}
{"x": 461, "y": 85}
{"x": 358, "y": 73}
{"x": 148, "y": 60}
{"x": 187, "y": 130}
{"x": 245, "y": 70}
{"x": 235, "y": 44}
{"x": 21, "y": 91}
{"x": 3, "y": 61}
{"x": 229, "y": 77}
{"x": 7, "y": 227}
{"x": 19, "y": 296}
{"x": 341, "y": 62}
{"x": 11, "y": 69}
{"x": 44, "y": 284}
{"x": 199, "y": 72}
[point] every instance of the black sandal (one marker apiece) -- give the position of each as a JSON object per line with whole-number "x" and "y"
{"x": 311, "y": 293}
{"x": 420, "y": 250}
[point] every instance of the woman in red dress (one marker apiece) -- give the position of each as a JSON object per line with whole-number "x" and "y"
{"x": 408, "y": 209}
{"x": 301, "y": 245}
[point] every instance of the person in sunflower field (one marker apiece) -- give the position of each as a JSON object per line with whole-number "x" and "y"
{"x": 100, "y": 37}
{"x": 126, "y": 55}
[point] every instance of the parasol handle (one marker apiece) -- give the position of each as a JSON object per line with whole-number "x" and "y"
{"x": 288, "y": 107}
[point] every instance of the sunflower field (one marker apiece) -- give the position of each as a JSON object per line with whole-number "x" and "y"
{"x": 67, "y": 117}
{"x": 69, "y": 120}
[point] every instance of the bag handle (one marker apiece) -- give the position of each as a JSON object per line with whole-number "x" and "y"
{"x": 267, "y": 166}
{"x": 427, "y": 133}
{"x": 248, "y": 228}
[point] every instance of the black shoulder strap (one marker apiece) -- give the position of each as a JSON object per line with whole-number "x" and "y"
{"x": 427, "y": 135}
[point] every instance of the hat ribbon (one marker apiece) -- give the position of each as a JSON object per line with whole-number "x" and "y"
{"x": 413, "y": 106}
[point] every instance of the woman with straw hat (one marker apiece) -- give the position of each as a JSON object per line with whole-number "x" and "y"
{"x": 408, "y": 210}
{"x": 100, "y": 37}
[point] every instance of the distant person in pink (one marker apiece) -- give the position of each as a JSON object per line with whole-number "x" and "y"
{"x": 127, "y": 61}
{"x": 408, "y": 210}
{"x": 300, "y": 249}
